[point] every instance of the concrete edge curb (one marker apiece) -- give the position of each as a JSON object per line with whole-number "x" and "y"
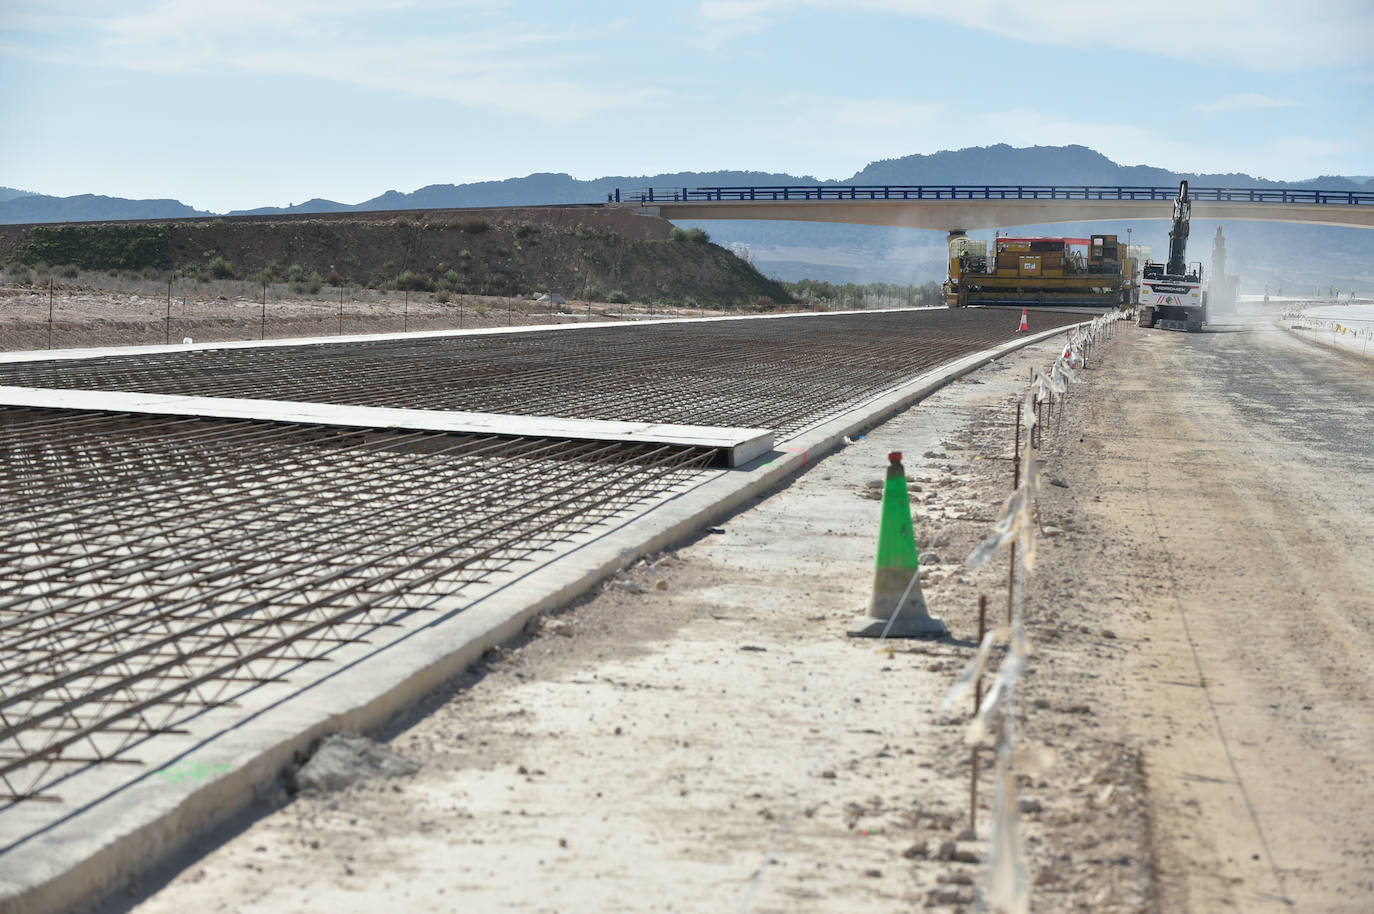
{"x": 261, "y": 751}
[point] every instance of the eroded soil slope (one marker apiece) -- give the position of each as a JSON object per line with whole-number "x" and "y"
{"x": 583, "y": 252}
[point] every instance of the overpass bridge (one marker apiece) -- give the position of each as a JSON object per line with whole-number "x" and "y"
{"x": 954, "y": 208}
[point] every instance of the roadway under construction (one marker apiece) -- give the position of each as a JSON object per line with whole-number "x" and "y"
{"x": 777, "y": 373}
{"x": 160, "y": 570}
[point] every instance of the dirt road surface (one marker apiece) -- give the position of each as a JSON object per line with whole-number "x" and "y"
{"x": 700, "y": 735}
{"x": 1239, "y": 492}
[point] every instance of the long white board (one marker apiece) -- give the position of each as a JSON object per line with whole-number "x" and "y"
{"x": 740, "y": 445}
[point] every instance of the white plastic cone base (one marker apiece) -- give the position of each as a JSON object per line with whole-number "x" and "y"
{"x": 913, "y": 619}
{"x": 904, "y": 627}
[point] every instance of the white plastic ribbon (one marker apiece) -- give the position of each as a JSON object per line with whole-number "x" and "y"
{"x": 1008, "y": 886}
{"x": 981, "y": 723}
{"x": 1003, "y": 529}
{"x": 1028, "y": 410}
{"x": 1057, "y": 383}
{"x": 971, "y": 672}
{"x": 1007, "y": 883}
{"x": 1003, "y": 685}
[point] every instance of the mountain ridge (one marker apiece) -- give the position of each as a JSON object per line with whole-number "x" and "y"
{"x": 997, "y": 164}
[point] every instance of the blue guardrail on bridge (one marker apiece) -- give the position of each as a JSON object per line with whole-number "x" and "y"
{"x": 986, "y": 192}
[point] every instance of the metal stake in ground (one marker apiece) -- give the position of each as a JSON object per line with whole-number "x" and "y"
{"x": 898, "y": 608}
{"x": 1015, "y": 484}
{"x": 977, "y": 701}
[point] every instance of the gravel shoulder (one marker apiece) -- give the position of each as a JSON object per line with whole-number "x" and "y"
{"x": 700, "y": 735}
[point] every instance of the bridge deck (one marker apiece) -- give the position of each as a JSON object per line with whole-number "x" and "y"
{"x": 967, "y": 207}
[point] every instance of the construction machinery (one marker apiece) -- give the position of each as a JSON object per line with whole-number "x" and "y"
{"x": 1171, "y": 293}
{"x": 1223, "y": 289}
{"x": 1023, "y": 272}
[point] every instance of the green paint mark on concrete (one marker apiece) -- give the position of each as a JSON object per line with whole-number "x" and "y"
{"x": 190, "y": 771}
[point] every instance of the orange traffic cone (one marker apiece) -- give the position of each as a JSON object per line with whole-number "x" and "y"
{"x": 898, "y": 608}
{"x": 1024, "y": 328}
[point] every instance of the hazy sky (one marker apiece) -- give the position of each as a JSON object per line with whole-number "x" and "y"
{"x": 231, "y": 104}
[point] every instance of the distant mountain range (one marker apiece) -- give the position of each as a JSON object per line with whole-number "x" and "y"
{"x": 836, "y": 252}
{"x": 28, "y": 207}
{"x": 9, "y": 193}
{"x": 999, "y": 164}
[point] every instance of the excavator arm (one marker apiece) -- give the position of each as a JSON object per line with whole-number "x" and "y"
{"x": 1178, "y": 233}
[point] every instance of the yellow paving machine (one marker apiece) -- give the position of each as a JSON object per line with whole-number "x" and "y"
{"x": 1093, "y": 272}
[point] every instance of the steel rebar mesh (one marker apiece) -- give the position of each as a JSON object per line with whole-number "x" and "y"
{"x": 154, "y": 567}
{"x": 783, "y": 374}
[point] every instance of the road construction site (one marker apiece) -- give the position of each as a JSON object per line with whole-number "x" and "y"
{"x": 180, "y": 570}
{"x": 698, "y": 733}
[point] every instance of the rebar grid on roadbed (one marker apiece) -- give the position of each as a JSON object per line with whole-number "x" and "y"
{"x": 154, "y": 567}
{"x": 783, "y": 374}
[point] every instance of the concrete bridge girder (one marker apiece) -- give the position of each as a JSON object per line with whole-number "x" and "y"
{"x": 968, "y": 215}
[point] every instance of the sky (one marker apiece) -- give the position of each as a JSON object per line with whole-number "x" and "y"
{"x": 234, "y": 104}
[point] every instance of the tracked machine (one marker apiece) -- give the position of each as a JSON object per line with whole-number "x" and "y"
{"x": 1171, "y": 293}
{"x": 1090, "y": 272}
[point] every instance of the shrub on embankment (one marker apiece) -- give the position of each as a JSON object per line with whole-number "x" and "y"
{"x": 96, "y": 247}
{"x": 574, "y": 251}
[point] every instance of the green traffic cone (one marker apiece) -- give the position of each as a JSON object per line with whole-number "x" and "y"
{"x": 897, "y": 567}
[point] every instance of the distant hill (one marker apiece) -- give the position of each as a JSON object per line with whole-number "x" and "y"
{"x": 845, "y": 252}
{"x": 30, "y": 207}
{"x": 317, "y": 205}
{"x": 1077, "y": 165}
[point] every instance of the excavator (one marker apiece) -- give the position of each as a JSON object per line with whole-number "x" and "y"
{"x": 1171, "y": 293}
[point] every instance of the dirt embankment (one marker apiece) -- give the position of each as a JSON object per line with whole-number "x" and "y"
{"x": 589, "y": 252}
